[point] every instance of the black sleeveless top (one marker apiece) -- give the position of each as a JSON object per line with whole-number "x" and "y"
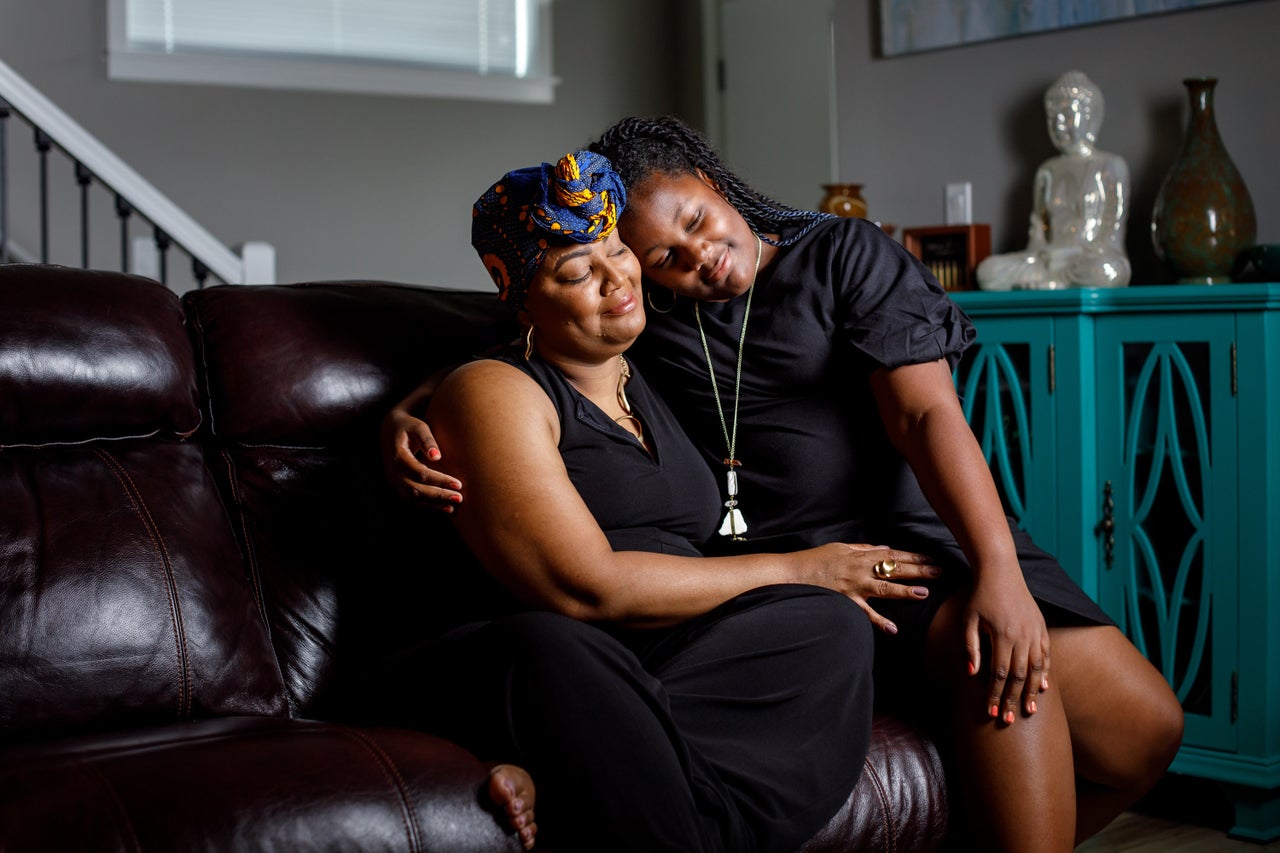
{"x": 667, "y": 502}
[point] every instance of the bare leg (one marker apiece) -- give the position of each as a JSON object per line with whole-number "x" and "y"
{"x": 511, "y": 789}
{"x": 1103, "y": 734}
{"x": 1019, "y": 782}
{"x": 1126, "y": 723}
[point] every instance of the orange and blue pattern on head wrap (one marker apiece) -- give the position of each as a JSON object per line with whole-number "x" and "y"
{"x": 578, "y": 199}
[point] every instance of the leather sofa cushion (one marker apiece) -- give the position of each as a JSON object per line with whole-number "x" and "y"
{"x": 248, "y": 784}
{"x": 900, "y": 803}
{"x": 124, "y": 597}
{"x": 299, "y": 378}
{"x": 313, "y": 364}
{"x": 92, "y": 355}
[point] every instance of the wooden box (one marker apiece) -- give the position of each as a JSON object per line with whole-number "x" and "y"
{"x": 951, "y": 252}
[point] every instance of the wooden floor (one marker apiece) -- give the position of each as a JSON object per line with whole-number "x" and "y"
{"x": 1134, "y": 832}
{"x": 1182, "y": 815}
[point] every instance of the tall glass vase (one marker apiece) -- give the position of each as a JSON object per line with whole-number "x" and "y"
{"x": 1203, "y": 217}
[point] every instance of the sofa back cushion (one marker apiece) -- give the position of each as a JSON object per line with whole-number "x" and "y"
{"x": 92, "y": 356}
{"x": 123, "y": 595}
{"x": 299, "y": 378}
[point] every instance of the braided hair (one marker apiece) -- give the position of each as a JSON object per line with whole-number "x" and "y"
{"x": 642, "y": 147}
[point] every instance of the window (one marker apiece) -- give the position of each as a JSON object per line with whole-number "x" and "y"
{"x": 480, "y": 49}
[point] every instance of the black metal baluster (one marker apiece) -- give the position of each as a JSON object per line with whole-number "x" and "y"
{"x": 43, "y": 144}
{"x": 4, "y": 184}
{"x": 162, "y": 246}
{"x": 200, "y": 271}
{"x": 124, "y": 210}
{"x": 83, "y": 178}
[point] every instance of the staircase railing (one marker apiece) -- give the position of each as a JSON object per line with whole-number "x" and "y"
{"x": 94, "y": 163}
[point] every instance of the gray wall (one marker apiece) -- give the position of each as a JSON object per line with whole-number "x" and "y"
{"x": 379, "y": 187}
{"x": 910, "y": 124}
{"x": 344, "y": 186}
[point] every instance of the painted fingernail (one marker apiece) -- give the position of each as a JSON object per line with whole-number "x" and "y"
{"x": 973, "y": 669}
{"x": 995, "y": 711}
{"x": 890, "y": 628}
{"x": 1031, "y": 706}
{"x": 1008, "y": 716}
{"x": 1044, "y": 684}
{"x": 919, "y": 592}
{"x": 457, "y": 499}
{"x": 433, "y": 454}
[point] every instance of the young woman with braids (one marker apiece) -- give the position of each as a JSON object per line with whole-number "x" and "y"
{"x": 661, "y": 700}
{"x": 811, "y": 357}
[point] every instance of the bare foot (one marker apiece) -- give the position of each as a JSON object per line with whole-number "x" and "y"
{"x": 511, "y": 789}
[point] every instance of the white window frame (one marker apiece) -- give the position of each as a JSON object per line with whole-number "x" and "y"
{"x": 337, "y": 75}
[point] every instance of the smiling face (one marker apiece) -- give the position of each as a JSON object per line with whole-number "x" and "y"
{"x": 689, "y": 238}
{"x": 585, "y": 300}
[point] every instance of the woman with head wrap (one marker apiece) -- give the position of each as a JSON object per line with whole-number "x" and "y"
{"x": 809, "y": 357}
{"x": 661, "y": 700}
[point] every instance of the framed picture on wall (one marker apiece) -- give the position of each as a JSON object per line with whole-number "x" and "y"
{"x": 907, "y": 26}
{"x": 951, "y": 252}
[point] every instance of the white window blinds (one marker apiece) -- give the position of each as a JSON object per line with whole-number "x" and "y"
{"x": 482, "y": 48}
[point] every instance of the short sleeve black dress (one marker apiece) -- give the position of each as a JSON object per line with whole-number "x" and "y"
{"x": 817, "y": 464}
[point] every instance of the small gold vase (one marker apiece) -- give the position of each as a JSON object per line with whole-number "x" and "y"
{"x": 843, "y": 200}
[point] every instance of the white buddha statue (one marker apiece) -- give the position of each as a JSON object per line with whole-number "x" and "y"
{"x": 1080, "y": 205}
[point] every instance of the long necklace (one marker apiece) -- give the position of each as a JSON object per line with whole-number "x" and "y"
{"x": 733, "y": 524}
{"x": 624, "y": 376}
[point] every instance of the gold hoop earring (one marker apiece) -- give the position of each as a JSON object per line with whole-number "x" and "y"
{"x": 648, "y": 296}
{"x": 528, "y": 343}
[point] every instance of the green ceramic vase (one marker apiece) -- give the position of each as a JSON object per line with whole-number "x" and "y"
{"x": 1203, "y": 217}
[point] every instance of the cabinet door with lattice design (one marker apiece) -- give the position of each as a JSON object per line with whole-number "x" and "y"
{"x": 1168, "y": 537}
{"x": 1003, "y": 384}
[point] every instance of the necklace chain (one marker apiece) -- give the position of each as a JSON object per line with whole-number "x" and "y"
{"x": 733, "y": 519}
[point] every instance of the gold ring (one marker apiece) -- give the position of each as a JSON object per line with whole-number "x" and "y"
{"x": 885, "y": 569}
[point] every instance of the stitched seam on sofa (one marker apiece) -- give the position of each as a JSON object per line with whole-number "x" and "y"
{"x": 204, "y": 374}
{"x": 113, "y": 795}
{"x": 199, "y": 411}
{"x": 251, "y": 554}
{"x": 890, "y": 838}
{"x": 407, "y": 813}
{"x": 255, "y": 576}
{"x": 271, "y": 445}
{"x": 175, "y": 607}
{"x": 79, "y": 442}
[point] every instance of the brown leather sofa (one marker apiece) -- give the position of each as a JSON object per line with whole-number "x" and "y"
{"x": 200, "y": 564}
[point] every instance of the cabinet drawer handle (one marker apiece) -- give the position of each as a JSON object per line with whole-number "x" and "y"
{"x": 1107, "y": 525}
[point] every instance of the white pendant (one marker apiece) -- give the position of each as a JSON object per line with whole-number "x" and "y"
{"x": 733, "y": 524}
{"x": 731, "y": 482}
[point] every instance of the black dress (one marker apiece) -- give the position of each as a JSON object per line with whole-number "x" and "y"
{"x": 663, "y": 499}
{"x": 817, "y": 464}
{"x": 743, "y": 729}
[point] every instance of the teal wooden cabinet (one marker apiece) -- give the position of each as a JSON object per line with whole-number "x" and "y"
{"x": 1135, "y": 433}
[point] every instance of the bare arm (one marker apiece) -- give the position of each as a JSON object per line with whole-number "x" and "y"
{"x": 925, "y": 422}
{"x": 407, "y": 444}
{"x": 529, "y": 527}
